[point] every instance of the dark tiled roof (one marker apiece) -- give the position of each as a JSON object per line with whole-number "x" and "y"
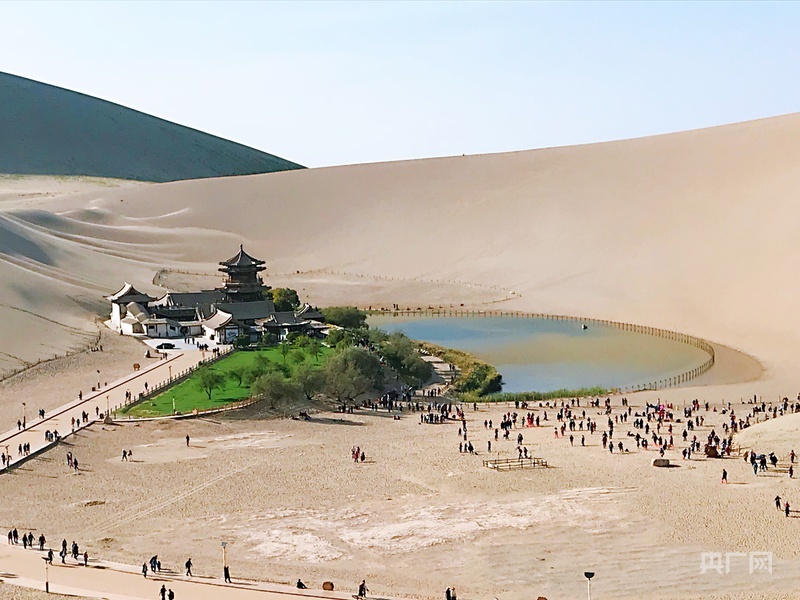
{"x": 248, "y": 311}
{"x": 193, "y": 299}
{"x": 127, "y": 293}
{"x": 242, "y": 259}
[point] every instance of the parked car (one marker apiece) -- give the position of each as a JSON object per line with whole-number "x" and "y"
{"x": 165, "y": 346}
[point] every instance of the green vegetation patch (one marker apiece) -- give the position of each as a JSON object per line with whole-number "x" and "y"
{"x": 228, "y": 380}
{"x": 478, "y": 378}
{"x": 592, "y": 392}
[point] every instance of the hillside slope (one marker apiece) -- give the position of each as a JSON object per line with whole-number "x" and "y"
{"x": 694, "y": 231}
{"x": 47, "y": 130}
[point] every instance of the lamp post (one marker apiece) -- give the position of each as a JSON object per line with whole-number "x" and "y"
{"x": 170, "y": 373}
{"x": 98, "y": 379}
{"x": 224, "y": 560}
{"x": 108, "y": 406}
{"x": 589, "y": 575}
{"x": 46, "y": 575}
{"x": 24, "y": 420}
{"x": 173, "y": 410}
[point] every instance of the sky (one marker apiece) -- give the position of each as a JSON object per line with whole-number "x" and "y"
{"x": 339, "y": 83}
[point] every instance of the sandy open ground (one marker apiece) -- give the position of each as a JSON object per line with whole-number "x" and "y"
{"x": 692, "y": 232}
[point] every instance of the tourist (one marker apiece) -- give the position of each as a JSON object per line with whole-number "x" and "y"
{"x": 787, "y": 509}
{"x": 144, "y": 570}
{"x": 187, "y": 440}
{"x": 125, "y": 455}
{"x": 226, "y": 571}
{"x": 188, "y": 566}
{"x": 163, "y": 592}
{"x": 301, "y": 585}
{"x": 448, "y": 594}
{"x": 724, "y": 476}
{"x": 85, "y": 559}
{"x": 170, "y": 595}
{"x": 362, "y": 588}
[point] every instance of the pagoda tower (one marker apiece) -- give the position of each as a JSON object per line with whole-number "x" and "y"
{"x": 242, "y": 280}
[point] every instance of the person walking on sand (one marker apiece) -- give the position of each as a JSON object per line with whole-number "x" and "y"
{"x": 778, "y": 502}
{"x": 786, "y": 509}
{"x": 170, "y": 595}
{"x": 187, "y": 440}
{"x": 188, "y": 566}
{"x": 724, "y": 476}
{"x": 163, "y": 592}
{"x": 363, "y": 589}
{"x": 144, "y": 570}
{"x": 226, "y": 571}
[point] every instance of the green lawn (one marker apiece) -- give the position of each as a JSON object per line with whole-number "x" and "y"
{"x": 189, "y": 396}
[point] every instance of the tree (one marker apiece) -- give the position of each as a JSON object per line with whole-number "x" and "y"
{"x": 297, "y": 355}
{"x": 336, "y": 337}
{"x": 285, "y": 299}
{"x": 295, "y": 338}
{"x": 285, "y": 347}
{"x": 269, "y": 339}
{"x": 348, "y": 317}
{"x": 310, "y": 379}
{"x": 401, "y": 354}
{"x": 350, "y": 372}
{"x": 238, "y": 374}
{"x": 314, "y": 348}
{"x": 209, "y": 380}
{"x": 242, "y": 341}
{"x": 344, "y": 381}
{"x": 275, "y": 387}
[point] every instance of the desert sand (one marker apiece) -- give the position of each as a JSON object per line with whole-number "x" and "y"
{"x": 691, "y": 231}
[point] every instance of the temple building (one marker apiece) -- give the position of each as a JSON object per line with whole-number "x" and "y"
{"x": 241, "y": 307}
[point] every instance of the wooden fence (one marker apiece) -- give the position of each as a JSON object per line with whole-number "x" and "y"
{"x": 175, "y": 379}
{"x": 513, "y": 464}
{"x": 666, "y": 382}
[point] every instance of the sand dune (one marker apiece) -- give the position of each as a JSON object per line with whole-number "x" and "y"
{"x": 692, "y": 231}
{"x": 48, "y": 130}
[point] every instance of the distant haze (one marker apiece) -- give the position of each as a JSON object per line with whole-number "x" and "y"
{"x": 46, "y": 130}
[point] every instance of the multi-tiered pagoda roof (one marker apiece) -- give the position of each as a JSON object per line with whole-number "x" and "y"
{"x": 242, "y": 280}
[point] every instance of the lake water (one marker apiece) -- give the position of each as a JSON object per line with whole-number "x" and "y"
{"x": 542, "y": 355}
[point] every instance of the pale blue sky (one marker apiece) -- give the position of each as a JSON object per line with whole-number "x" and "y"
{"x": 336, "y": 83}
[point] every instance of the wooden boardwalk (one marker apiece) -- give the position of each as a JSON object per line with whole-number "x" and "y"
{"x": 514, "y": 464}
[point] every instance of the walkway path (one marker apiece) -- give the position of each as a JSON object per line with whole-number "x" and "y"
{"x": 94, "y": 404}
{"x": 116, "y": 581}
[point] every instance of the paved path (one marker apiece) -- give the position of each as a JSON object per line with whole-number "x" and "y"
{"x": 110, "y": 397}
{"x": 116, "y": 581}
